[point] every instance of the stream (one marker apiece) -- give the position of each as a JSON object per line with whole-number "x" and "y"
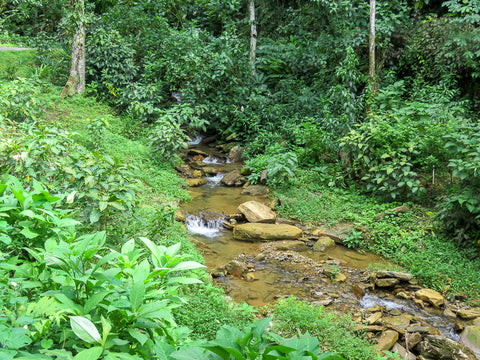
{"x": 276, "y": 275}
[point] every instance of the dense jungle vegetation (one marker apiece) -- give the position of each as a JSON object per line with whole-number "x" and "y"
{"x": 93, "y": 264}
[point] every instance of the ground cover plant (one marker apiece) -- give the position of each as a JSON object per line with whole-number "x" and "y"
{"x": 333, "y": 143}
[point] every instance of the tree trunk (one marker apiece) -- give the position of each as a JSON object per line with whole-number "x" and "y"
{"x": 373, "y": 84}
{"x": 76, "y": 81}
{"x": 253, "y": 35}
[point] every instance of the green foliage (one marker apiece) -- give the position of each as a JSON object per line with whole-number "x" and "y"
{"x": 101, "y": 185}
{"x": 292, "y": 316}
{"x": 167, "y": 139}
{"x": 128, "y": 294}
{"x": 20, "y": 101}
{"x": 401, "y": 139}
{"x": 280, "y": 166}
{"x": 255, "y": 343}
{"x": 460, "y": 209}
{"x": 29, "y": 218}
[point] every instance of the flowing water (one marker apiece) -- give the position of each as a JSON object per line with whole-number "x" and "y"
{"x": 275, "y": 278}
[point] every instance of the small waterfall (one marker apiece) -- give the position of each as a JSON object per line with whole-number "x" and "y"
{"x": 214, "y": 180}
{"x": 197, "y": 225}
{"x": 195, "y": 141}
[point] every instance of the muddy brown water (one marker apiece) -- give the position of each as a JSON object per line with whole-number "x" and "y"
{"x": 272, "y": 278}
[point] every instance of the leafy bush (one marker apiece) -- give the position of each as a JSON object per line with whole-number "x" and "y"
{"x": 100, "y": 185}
{"x": 20, "y": 101}
{"x": 337, "y": 334}
{"x": 401, "y": 141}
{"x": 280, "y": 166}
{"x": 460, "y": 209}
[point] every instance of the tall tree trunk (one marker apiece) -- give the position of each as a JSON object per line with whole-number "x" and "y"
{"x": 371, "y": 71}
{"x": 253, "y": 35}
{"x": 76, "y": 81}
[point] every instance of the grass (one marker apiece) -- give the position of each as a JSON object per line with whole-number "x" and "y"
{"x": 409, "y": 239}
{"x": 16, "y": 64}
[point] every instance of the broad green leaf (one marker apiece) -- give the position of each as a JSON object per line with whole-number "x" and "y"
{"x": 141, "y": 337}
{"x": 184, "y": 280}
{"x": 191, "y": 354}
{"x": 106, "y": 328}
{"x": 28, "y": 233}
{"x": 117, "y": 205}
{"x": 3, "y": 187}
{"x": 85, "y": 329}
{"x": 103, "y": 205}
{"x": 94, "y": 216}
{"x": 89, "y": 354}
{"x": 137, "y": 293}
{"x": 187, "y": 265}
{"x": 94, "y": 300}
{"x": 330, "y": 356}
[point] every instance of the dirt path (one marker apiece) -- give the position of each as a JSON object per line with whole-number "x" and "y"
{"x": 14, "y": 49}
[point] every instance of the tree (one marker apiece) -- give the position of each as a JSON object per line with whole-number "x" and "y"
{"x": 371, "y": 44}
{"x": 253, "y": 34}
{"x": 76, "y": 81}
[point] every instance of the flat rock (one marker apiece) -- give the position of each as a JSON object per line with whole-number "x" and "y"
{"x": 386, "y": 282}
{"x": 374, "y": 318}
{"x": 468, "y": 314}
{"x": 195, "y": 182}
{"x": 431, "y": 296}
{"x": 387, "y": 339}
{"x": 323, "y": 244}
{"x": 290, "y": 245}
{"x": 394, "y": 274}
{"x": 257, "y": 212}
{"x": 398, "y": 321}
{"x": 265, "y": 232}
{"x": 255, "y": 190}
{"x": 413, "y": 339}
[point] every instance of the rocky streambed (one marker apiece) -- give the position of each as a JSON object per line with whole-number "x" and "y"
{"x": 259, "y": 258}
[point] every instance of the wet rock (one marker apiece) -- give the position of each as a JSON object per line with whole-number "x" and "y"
{"x": 184, "y": 170}
{"x": 255, "y": 190}
{"x": 259, "y": 231}
{"x": 180, "y": 216}
{"x": 439, "y": 347}
{"x": 236, "y": 268}
{"x": 323, "y": 302}
{"x": 197, "y": 164}
{"x": 412, "y": 340}
{"x": 236, "y": 154}
{"x": 228, "y": 225}
{"x": 470, "y": 337}
{"x": 260, "y": 257}
{"x": 374, "y": 319}
{"x": 394, "y": 274}
{"x": 257, "y": 212}
{"x": 210, "y": 171}
{"x": 233, "y": 178}
{"x": 210, "y": 215}
{"x": 195, "y": 182}
{"x": 449, "y": 313}
{"x": 402, "y": 295}
{"x": 398, "y": 321}
{"x": 402, "y": 352}
{"x": 373, "y": 328}
{"x": 197, "y": 174}
{"x": 291, "y": 245}
{"x": 323, "y": 244}
{"x": 358, "y": 291}
{"x": 196, "y": 152}
{"x": 431, "y": 296}
{"x": 337, "y": 236}
{"x": 250, "y": 276}
{"x": 386, "y": 282}
{"x": 418, "y": 329}
{"x": 225, "y": 148}
{"x": 340, "y": 278}
{"x": 468, "y": 314}
{"x": 387, "y": 339}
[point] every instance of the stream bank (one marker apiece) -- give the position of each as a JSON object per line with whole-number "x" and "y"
{"x": 391, "y": 307}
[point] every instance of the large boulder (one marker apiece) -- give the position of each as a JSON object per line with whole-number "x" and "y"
{"x": 470, "y": 337}
{"x": 394, "y": 274}
{"x": 234, "y": 178}
{"x": 387, "y": 339}
{"x": 257, "y": 212}
{"x": 468, "y": 314}
{"x": 195, "y": 182}
{"x": 265, "y": 232}
{"x": 323, "y": 244}
{"x": 236, "y": 154}
{"x": 438, "y": 347}
{"x": 431, "y": 296}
